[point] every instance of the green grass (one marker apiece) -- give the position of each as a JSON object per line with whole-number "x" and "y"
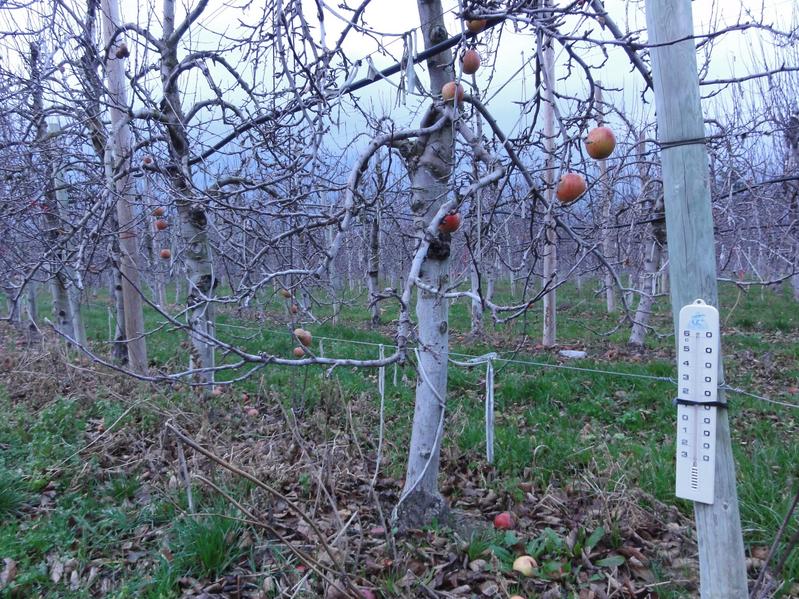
{"x": 553, "y": 426}
{"x": 206, "y": 546}
{"x": 12, "y": 493}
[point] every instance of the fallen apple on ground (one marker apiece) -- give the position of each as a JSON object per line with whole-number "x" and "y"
{"x": 503, "y": 521}
{"x": 524, "y": 565}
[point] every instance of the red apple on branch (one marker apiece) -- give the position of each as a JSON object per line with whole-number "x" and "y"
{"x": 450, "y": 223}
{"x": 161, "y": 225}
{"x": 304, "y": 337}
{"x": 570, "y": 187}
{"x": 476, "y": 25}
{"x": 470, "y": 62}
{"x": 166, "y": 254}
{"x": 451, "y": 90}
{"x": 600, "y": 142}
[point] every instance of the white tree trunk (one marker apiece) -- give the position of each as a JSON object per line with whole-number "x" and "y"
{"x": 644, "y": 310}
{"x": 32, "y": 310}
{"x": 373, "y": 270}
{"x": 657, "y": 239}
{"x": 421, "y": 500}
{"x": 192, "y": 217}
{"x": 129, "y": 260}
{"x": 13, "y": 304}
{"x": 477, "y": 305}
{"x": 607, "y": 236}
{"x": 55, "y": 267}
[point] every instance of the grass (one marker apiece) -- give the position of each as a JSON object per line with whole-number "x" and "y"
{"x": 553, "y": 427}
{"x": 12, "y": 493}
{"x": 204, "y": 547}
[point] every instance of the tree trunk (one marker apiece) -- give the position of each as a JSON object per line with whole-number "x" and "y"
{"x": 14, "y": 311}
{"x": 373, "y": 271}
{"x": 129, "y": 260}
{"x": 795, "y": 220}
{"x": 607, "y": 235}
{"x": 193, "y": 220}
{"x": 52, "y": 217}
{"x": 421, "y": 501}
{"x": 477, "y": 258}
{"x": 657, "y": 240}
{"x": 32, "y": 311}
{"x": 73, "y": 292}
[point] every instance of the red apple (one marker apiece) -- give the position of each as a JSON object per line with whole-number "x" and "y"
{"x": 122, "y": 51}
{"x": 503, "y": 521}
{"x": 450, "y": 223}
{"x": 303, "y": 336}
{"x": 450, "y": 90}
{"x": 600, "y": 143}
{"x": 161, "y": 225}
{"x": 294, "y": 309}
{"x": 252, "y": 412}
{"x": 159, "y": 211}
{"x": 470, "y": 62}
{"x": 166, "y": 254}
{"x": 299, "y": 352}
{"x": 147, "y": 160}
{"x": 476, "y": 25}
{"x": 570, "y": 187}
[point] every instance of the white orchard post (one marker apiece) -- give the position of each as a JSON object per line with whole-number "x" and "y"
{"x": 692, "y": 265}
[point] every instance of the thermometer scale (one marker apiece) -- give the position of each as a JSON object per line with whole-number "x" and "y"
{"x": 697, "y": 401}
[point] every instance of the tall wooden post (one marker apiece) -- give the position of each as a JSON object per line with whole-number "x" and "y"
{"x": 129, "y": 260}
{"x": 692, "y": 264}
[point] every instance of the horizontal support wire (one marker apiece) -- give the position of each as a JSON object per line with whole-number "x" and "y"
{"x": 498, "y": 358}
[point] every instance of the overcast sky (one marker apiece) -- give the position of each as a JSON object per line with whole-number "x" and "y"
{"x": 503, "y": 80}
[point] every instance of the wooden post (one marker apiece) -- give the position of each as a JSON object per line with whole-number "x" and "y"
{"x": 692, "y": 264}
{"x": 129, "y": 262}
{"x": 550, "y": 266}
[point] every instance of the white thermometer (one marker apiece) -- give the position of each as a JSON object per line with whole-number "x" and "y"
{"x": 697, "y": 401}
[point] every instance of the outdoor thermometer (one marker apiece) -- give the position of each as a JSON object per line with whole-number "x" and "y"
{"x": 697, "y": 400}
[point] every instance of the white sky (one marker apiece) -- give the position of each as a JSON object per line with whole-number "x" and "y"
{"x": 731, "y": 56}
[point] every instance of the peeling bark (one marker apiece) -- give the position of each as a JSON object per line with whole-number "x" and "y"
{"x": 421, "y": 501}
